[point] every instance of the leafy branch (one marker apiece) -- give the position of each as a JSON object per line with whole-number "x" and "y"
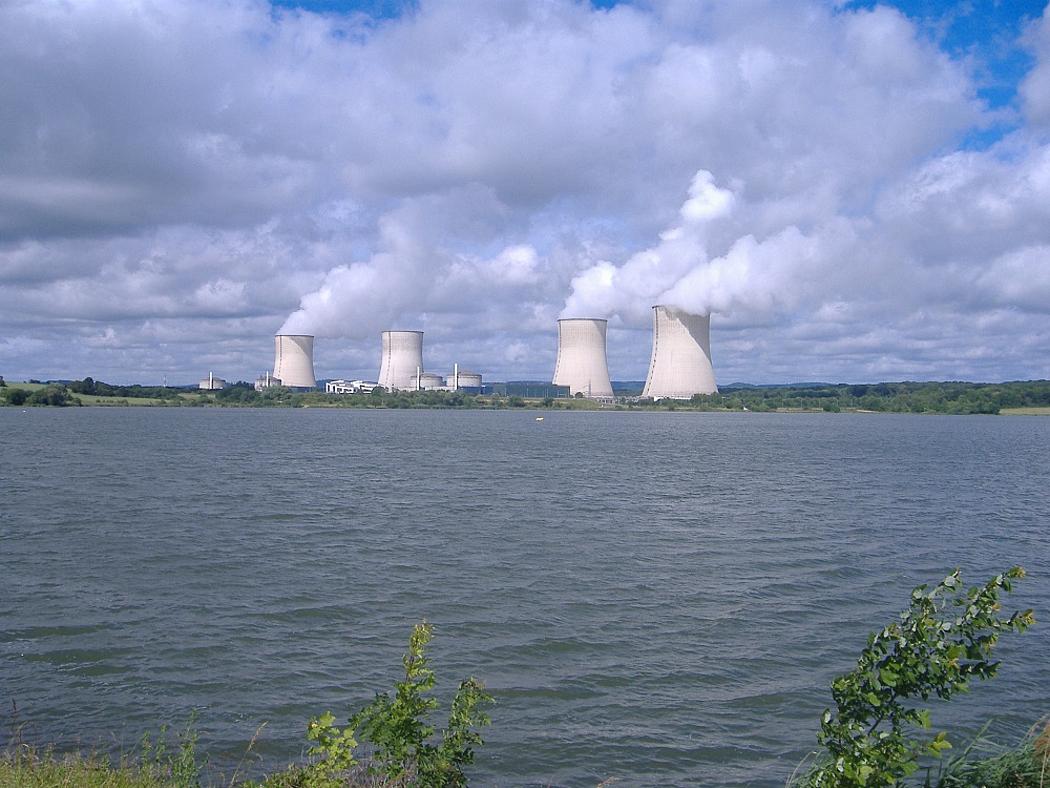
{"x": 940, "y": 643}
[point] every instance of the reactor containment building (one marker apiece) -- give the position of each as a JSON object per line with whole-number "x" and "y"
{"x": 293, "y": 360}
{"x": 582, "y": 364}
{"x": 681, "y": 362}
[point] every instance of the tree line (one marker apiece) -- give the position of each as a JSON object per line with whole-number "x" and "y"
{"x": 905, "y": 397}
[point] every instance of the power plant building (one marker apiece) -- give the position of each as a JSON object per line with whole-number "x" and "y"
{"x": 681, "y": 362}
{"x": 402, "y": 360}
{"x": 349, "y": 386}
{"x": 465, "y": 380}
{"x": 265, "y": 381}
{"x": 429, "y": 381}
{"x": 582, "y": 364}
{"x": 293, "y": 362}
{"x": 212, "y": 383}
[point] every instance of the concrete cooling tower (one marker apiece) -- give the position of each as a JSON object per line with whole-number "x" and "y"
{"x": 582, "y": 364}
{"x": 402, "y": 358}
{"x": 681, "y": 362}
{"x": 293, "y": 360}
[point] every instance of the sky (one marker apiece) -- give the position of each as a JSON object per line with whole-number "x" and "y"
{"x": 857, "y": 191}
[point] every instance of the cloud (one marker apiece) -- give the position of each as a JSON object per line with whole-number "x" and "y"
{"x": 1035, "y": 88}
{"x": 194, "y": 176}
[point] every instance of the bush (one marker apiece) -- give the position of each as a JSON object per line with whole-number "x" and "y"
{"x": 941, "y": 642}
{"x": 15, "y": 396}
{"x": 397, "y": 728}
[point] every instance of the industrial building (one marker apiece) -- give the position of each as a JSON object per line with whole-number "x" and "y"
{"x": 265, "y": 381}
{"x": 422, "y": 381}
{"x": 293, "y": 362}
{"x": 350, "y": 386}
{"x": 402, "y": 360}
{"x": 462, "y": 380}
{"x": 681, "y": 362}
{"x": 212, "y": 383}
{"x": 582, "y": 364}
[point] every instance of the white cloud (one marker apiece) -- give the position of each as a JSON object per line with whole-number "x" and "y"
{"x": 184, "y": 174}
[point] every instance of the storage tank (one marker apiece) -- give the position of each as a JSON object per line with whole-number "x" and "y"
{"x": 293, "y": 362}
{"x": 582, "y": 364}
{"x": 681, "y": 362}
{"x": 402, "y": 359}
{"x": 428, "y": 380}
{"x": 468, "y": 380}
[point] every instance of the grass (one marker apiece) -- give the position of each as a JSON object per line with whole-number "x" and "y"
{"x": 1032, "y": 411}
{"x": 94, "y": 399}
{"x": 984, "y": 763}
{"x": 28, "y": 768}
{"x": 1026, "y": 766}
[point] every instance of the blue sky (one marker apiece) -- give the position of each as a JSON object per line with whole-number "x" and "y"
{"x": 856, "y": 191}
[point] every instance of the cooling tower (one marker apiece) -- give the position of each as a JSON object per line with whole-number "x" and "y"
{"x": 681, "y": 362}
{"x": 402, "y": 359}
{"x": 581, "y": 363}
{"x": 293, "y": 360}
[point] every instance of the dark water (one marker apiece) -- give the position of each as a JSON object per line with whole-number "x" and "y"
{"x": 657, "y": 598}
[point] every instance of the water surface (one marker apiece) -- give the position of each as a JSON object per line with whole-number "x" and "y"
{"x": 657, "y": 598}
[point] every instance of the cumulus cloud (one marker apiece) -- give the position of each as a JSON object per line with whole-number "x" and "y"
{"x": 178, "y": 181}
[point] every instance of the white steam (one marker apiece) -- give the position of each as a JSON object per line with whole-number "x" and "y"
{"x": 751, "y": 275}
{"x": 410, "y": 275}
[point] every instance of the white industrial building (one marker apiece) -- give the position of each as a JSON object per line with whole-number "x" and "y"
{"x": 462, "y": 379}
{"x": 402, "y": 360}
{"x": 681, "y": 362}
{"x": 428, "y": 381}
{"x": 421, "y": 381}
{"x": 582, "y": 364}
{"x": 350, "y": 386}
{"x": 293, "y": 361}
{"x": 212, "y": 383}
{"x": 265, "y": 381}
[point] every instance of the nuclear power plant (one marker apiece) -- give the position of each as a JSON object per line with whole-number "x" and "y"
{"x": 681, "y": 362}
{"x": 582, "y": 364}
{"x": 293, "y": 361}
{"x": 402, "y": 360}
{"x": 680, "y": 365}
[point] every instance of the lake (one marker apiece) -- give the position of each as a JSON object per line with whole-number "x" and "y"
{"x": 659, "y": 598}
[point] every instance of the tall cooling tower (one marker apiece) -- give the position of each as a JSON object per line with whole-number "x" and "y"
{"x": 402, "y": 358}
{"x": 293, "y": 360}
{"x": 581, "y": 364}
{"x": 681, "y": 362}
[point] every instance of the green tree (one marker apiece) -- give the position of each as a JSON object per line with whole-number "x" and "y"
{"x": 15, "y": 396}
{"x": 398, "y": 729}
{"x": 940, "y": 643}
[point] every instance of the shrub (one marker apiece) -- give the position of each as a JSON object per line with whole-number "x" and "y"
{"x": 398, "y": 729}
{"x": 941, "y": 642}
{"x": 15, "y": 396}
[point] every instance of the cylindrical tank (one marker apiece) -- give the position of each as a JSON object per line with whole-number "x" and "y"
{"x": 469, "y": 380}
{"x": 293, "y": 361}
{"x": 681, "y": 362}
{"x": 402, "y": 359}
{"x": 582, "y": 364}
{"x": 429, "y": 380}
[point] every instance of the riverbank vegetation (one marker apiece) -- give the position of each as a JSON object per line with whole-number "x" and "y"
{"x": 1018, "y": 397}
{"x": 878, "y": 734}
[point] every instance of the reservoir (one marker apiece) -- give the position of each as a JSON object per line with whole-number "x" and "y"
{"x": 659, "y": 598}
